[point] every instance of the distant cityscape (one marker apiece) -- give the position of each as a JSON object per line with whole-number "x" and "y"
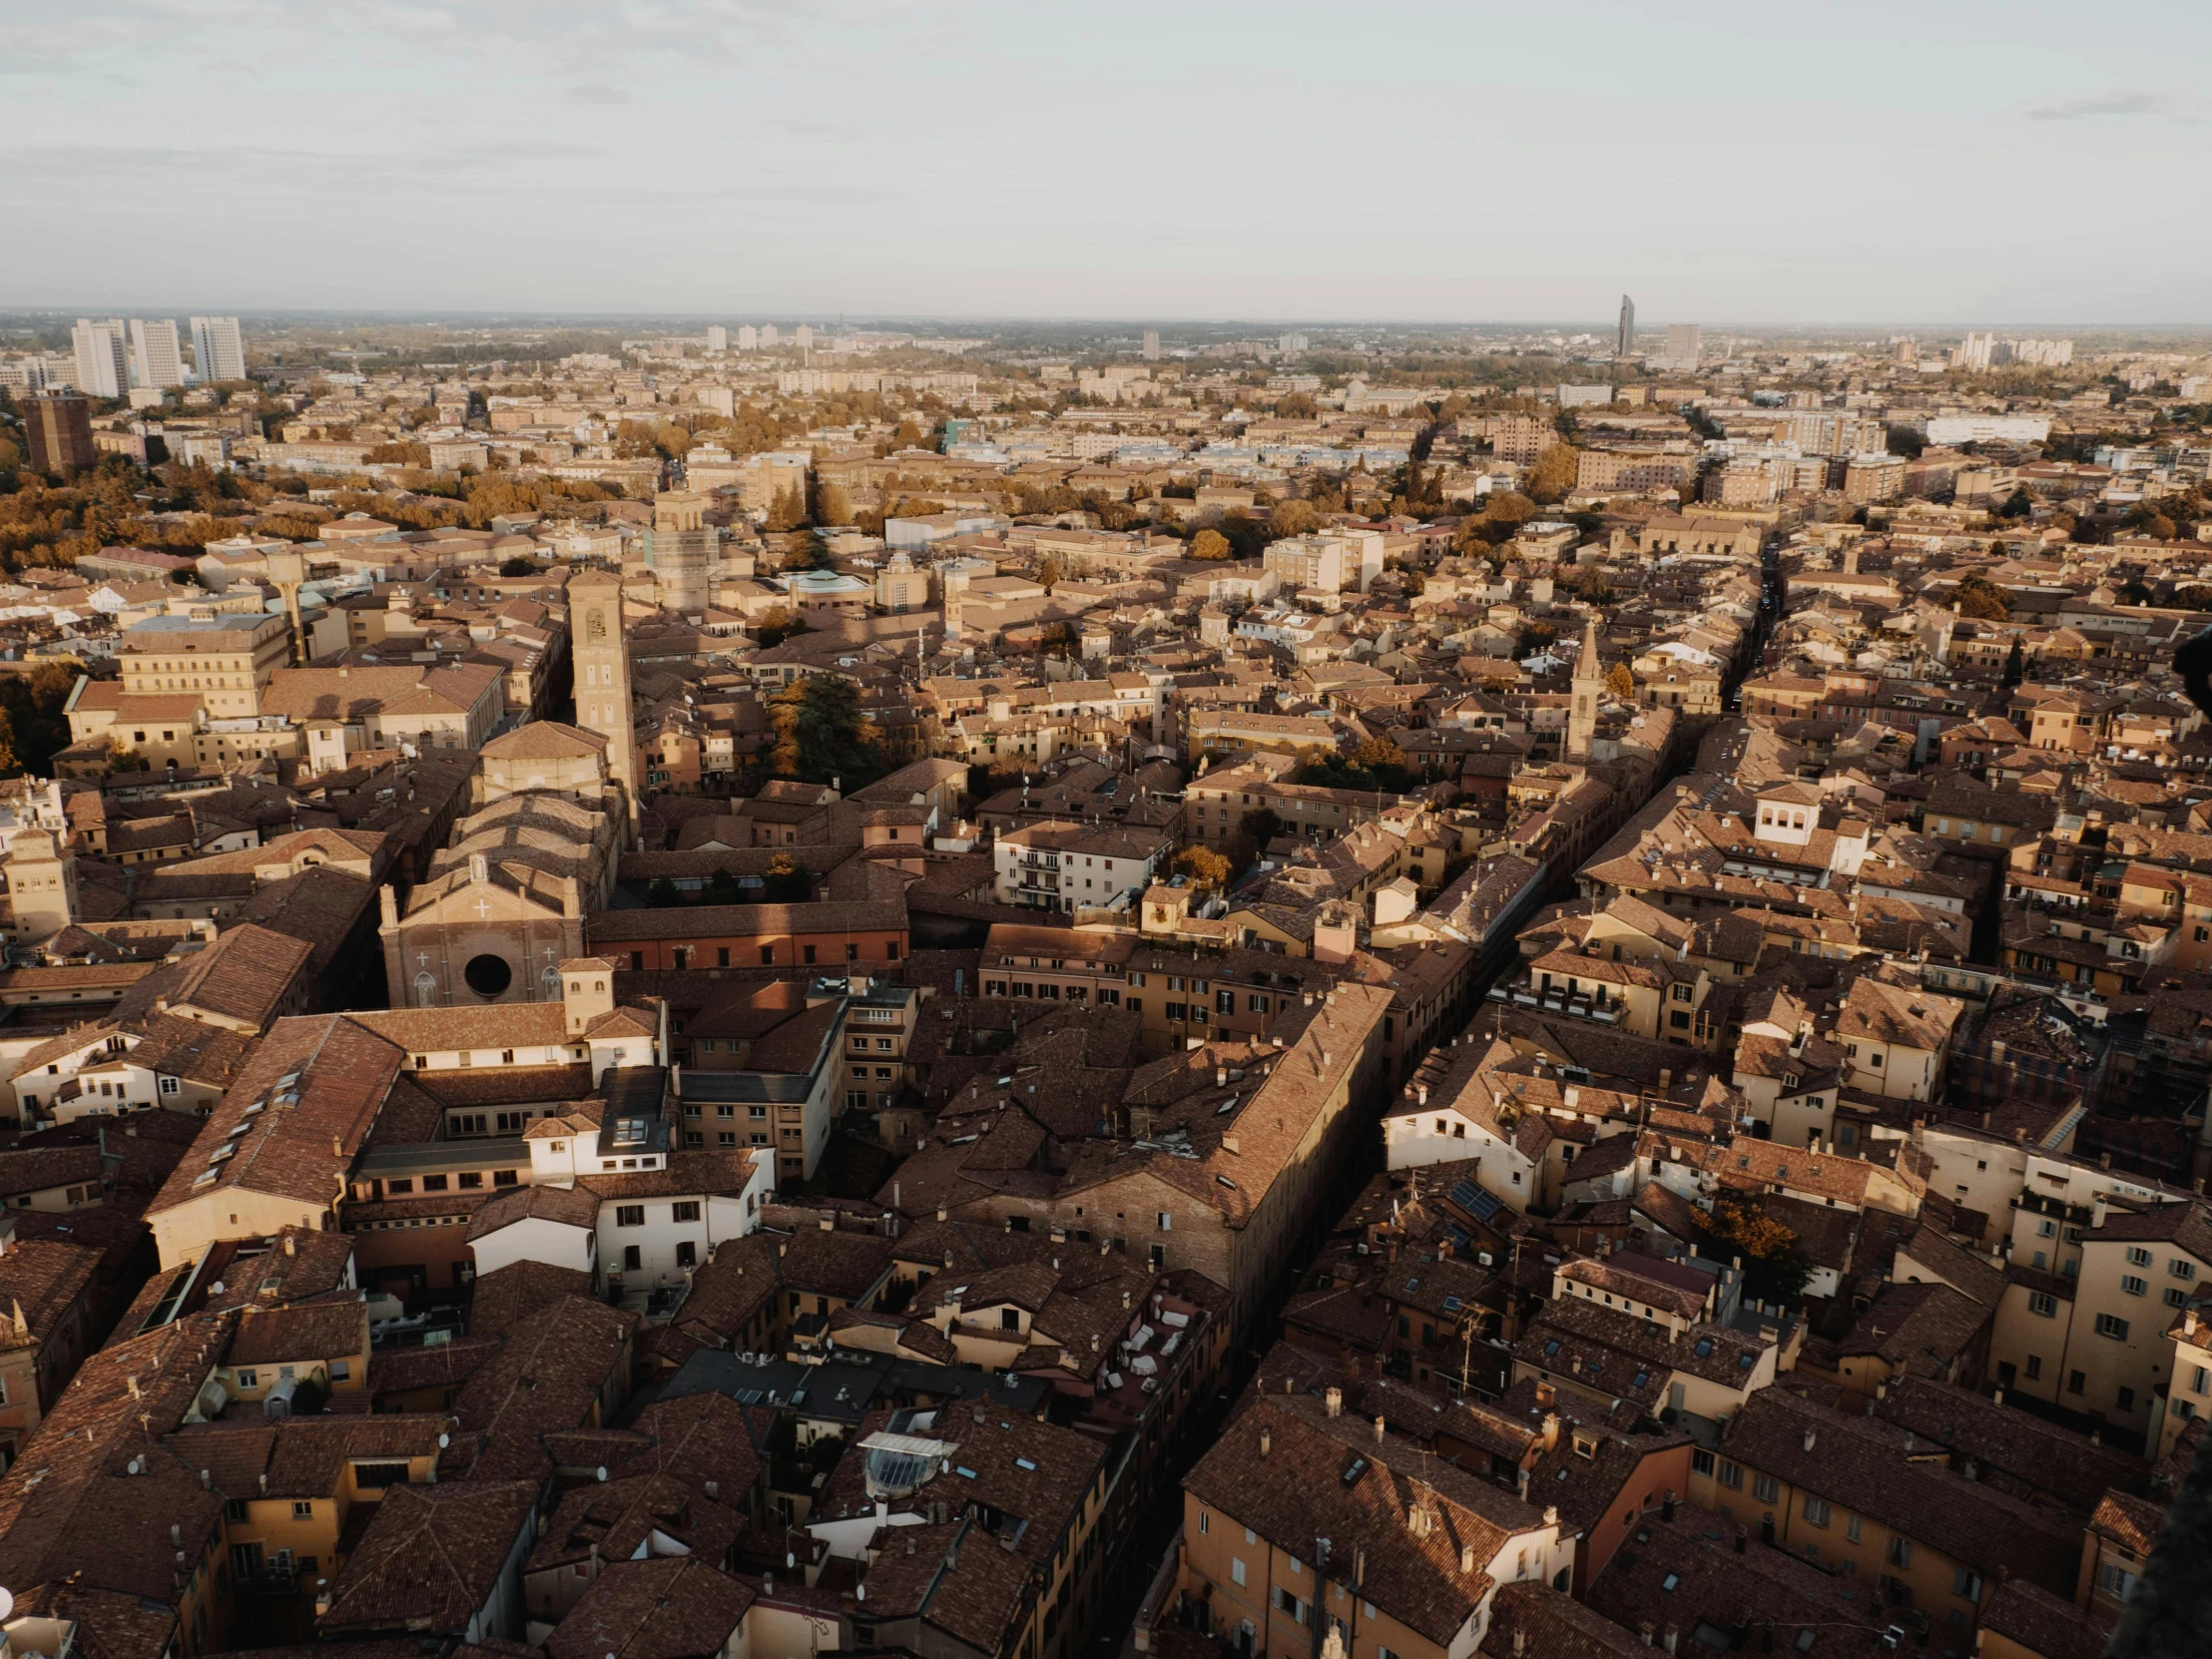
{"x": 1021, "y": 990}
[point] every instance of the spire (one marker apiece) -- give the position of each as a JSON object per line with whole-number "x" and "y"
{"x": 1589, "y": 668}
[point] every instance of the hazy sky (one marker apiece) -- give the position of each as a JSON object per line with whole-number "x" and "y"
{"x": 1934, "y": 162}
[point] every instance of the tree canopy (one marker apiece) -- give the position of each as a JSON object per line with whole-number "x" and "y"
{"x": 821, "y": 734}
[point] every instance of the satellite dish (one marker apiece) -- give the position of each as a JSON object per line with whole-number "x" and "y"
{"x": 7, "y": 1604}
{"x": 444, "y": 1441}
{"x": 602, "y": 1471}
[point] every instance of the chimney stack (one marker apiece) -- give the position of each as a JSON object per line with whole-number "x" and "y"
{"x": 1334, "y": 1402}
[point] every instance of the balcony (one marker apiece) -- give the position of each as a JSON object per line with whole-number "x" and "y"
{"x": 1525, "y": 992}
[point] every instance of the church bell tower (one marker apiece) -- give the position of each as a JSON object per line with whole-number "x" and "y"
{"x": 602, "y": 664}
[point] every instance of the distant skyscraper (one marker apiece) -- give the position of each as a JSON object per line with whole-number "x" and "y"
{"x": 102, "y": 369}
{"x": 1625, "y": 341}
{"x": 217, "y": 349}
{"x": 1152, "y": 346}
{"x": 1976, "y": 353}
{"x": 718, "y": 338}
{"x": 803, "y": 336}
{"x": 768, "y": 337}
{"x": 154, "y": 352}
{"x": 1291, "y": 344}
{"x": 748, "y": 338}
{"x": 1685, "y": 344}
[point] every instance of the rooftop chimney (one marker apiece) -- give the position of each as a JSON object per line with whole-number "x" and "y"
{"x": 1333, "y": 1402}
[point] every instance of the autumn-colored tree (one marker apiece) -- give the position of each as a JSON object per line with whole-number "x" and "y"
{"x": 1202, "y": 865}
{"x": 1979, "y": 597}
{"x": 1777, "y": 1269}
{"x": 777, "y": 625}
{"x": 1554, "y": 474}
{"x": 1210, "y": 544}
{"x": 832, "y": 505}
{"x": 1373, "y": 752}
{"x": 1621, "y": 682}
{"x": 789, "y": 510}
{"x": 1294, "y": 518}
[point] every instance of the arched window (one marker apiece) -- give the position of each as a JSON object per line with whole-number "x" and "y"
{"x": 427, "y": 988}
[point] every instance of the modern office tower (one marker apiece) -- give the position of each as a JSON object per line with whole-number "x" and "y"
{"x": 59, "y": 425}
{"x": 1904, "y": 351}
{"x": 748, "y": 338}
{"x": 718, "y": 337}
{"x": 1626, "y": 340}
{"x": 217, "y": 349}
{"x": 803, "y": 336}
{"x": 154, "y": 354}
{"x": 1291, "y": 344}
{"x": 768, "y": 337}
{"x": 103, "y": 370}
{"x": 680, "y": 551}
{"x": 1152, "y": 346}
{"x": 1685, "y": 344}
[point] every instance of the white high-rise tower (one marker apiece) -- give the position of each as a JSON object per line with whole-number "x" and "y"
{"x": 103, "y": 368}
{"x": 217, "y": 349}
{"x": 154, "y": 352}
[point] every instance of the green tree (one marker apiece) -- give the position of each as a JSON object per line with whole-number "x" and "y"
{"x": 787, "y": 880}
{"x": 2016, "y": 666}
{"x": 520, "y": 566}
{"x": 661, "y": 892}
{"x": 2017, "y": 505}
{"x": 1210, "y": 544}
{"x": 1261, "y": 823}
{"x": 821, "y": 734}
{"x": 722, "y": 887}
